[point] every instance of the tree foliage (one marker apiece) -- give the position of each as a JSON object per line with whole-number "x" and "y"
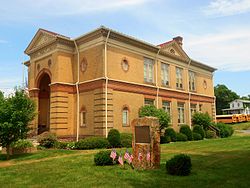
{"x": 202, "y": 119}
{"x": 223, "y": 97}
{"x": 16, "y": 112}
{"x": 151, "y": 110}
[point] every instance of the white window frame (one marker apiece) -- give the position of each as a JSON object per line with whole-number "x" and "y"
{"x": 181, "y": 113}
{"x": 193, "y": 108}
{"x": 165, "y": 74}
{"x": 151, "y": 101}
{"x": 192, "y": 84}
{"x": 167, "y": 108}
{"x": 125, "y": 111}
{"x": 179, "y": 78}
{"x": 148, "y": 70}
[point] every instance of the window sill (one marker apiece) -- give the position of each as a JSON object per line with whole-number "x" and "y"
{"x": 166, "y": 86}
{"x": 178, "y": 88}
{"x": 149, "y": 83}
{"x": 125, "y": 125}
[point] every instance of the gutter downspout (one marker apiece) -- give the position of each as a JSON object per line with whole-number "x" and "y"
{"x": 156, "y": 79}
{"x": 106, "y": 85}
{"x": 189, "y": 97}
{"x": 77, "y": 93}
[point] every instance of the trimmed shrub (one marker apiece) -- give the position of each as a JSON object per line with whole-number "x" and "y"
{"x": 165, "y": 139}
{"x": 185, "y": 129}
{"x": 103, "y": 158}
{"x": 126, "y": 140}
{"x": 199, "y": 129}
{"x": 61, "y": 145}
{"x": 179, "y": 165}
{"x": 181, "y": 137}
{"x": 210, "y": 134}
{"x": 92, "y": 143}
{"x": 225, "y": 130}
{"x": 47, "y": 139}
{"x": 197, "y": 136}
{"x": 170, "y": 132}
{"x": 114, "y": 138}
{"x": 202, "y": 119}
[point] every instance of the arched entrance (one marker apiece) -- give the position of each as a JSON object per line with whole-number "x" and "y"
{"x": 44, "y": 103}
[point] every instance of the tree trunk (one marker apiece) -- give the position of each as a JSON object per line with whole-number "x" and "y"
{"x": 8, "y": 152}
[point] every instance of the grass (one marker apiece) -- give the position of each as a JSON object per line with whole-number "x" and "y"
{"x": 216, "y": 163}
{"x": 241, "y": 126}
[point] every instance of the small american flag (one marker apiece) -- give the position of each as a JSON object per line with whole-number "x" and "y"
{"x": 130, "y": 159}
{"x": 126, "y": 155}
{"x": 113, "y": 154}
{"x": 148, "y": 156}
{"x": 140, "y": 156}
{"x": 120, "y": 160}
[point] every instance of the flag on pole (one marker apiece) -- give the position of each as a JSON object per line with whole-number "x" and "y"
{"x": 148, "y": 156}
{"x": 113, "y": 154}
{"x": 130, "y": 159}
{"x": 126, "y": 155}
{"x": 120, "y": 160}
{"x": 140, "y": 156}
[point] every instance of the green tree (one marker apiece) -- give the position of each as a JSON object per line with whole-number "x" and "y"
{"x": 202, "y": 119}
{"x": 223, "y": 97}
{"x": 16, "y": 112}
{"x": 151, "y": 110}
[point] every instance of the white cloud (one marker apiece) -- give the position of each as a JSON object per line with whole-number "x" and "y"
{"x": 33, "y": 9}
{"x": 227, "y": 7}
{"x": 227, "y": 49}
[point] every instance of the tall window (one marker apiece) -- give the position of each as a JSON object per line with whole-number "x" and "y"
{"x": 148, "y": 102}
{"x": 181, "y": 112}
{"x": 83, "y": 119}
{"x": 125, "y": 118}
{"x": 164, "y": 74}
{"x": 179, "y": 78}
{"x": 148, "y": 70}
{"x": 200, "y": 107}
{"x": 191, "y": 81}
{"x": 192, "y": 108}
{"x": 166, "y": 105}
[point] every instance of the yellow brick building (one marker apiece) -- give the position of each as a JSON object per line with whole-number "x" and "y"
{"x": 98, "y": 81}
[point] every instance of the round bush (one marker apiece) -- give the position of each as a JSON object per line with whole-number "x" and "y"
{"x": 197, "y": 136}
{"x": 179, "y": 165}
{"x": 92, "y": 143}
{"x": 210, "y": 134}
{"x": 225, "y": 130}
{"x": 199, "y": 129}
{"x": 114, "y": 138}
{"x": 47, "y": 139}
{"x": 170, "y": 132}
{"x": 22, "y": 144}
{"x": 165, "y": 139}
{"x": 185, "y": 129}
{"x": 103, "y": 158}
{"x": 181, "y": 137}
{"x": 126, "y": 140}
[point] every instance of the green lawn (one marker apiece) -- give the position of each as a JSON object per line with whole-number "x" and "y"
{"x": 241, "y": 126}
{"x": 216, "y": 163}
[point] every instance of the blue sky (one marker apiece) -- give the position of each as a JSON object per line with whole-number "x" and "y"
{"x": 215, "y": 32}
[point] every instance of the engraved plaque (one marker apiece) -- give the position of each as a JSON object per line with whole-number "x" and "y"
{"x": 142, "y": 134}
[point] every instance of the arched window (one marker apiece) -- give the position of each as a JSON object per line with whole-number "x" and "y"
{"x": 125, "y": 116}
{"x": 83, "y": 113}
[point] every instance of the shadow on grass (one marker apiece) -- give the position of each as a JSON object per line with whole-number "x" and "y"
{"x": 216, "y": 169}
{"x": 3, "y": 157}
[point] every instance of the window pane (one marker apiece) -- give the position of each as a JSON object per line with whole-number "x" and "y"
{"x": 125, "y": 117}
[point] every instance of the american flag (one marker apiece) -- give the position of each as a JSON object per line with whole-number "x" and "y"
{"x": 126, "y": 155}
{"x": 148, "y": 156}
{"x": 130, "y": 159}
{"x": 140, "y": 156}
{"x": 120, "y": 160}
{"x": 113, "y": 154}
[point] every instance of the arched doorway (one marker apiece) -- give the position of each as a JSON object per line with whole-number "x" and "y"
{"x": 44, "y": 103}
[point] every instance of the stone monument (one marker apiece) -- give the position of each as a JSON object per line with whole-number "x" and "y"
{"x": 146, "y": 143}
